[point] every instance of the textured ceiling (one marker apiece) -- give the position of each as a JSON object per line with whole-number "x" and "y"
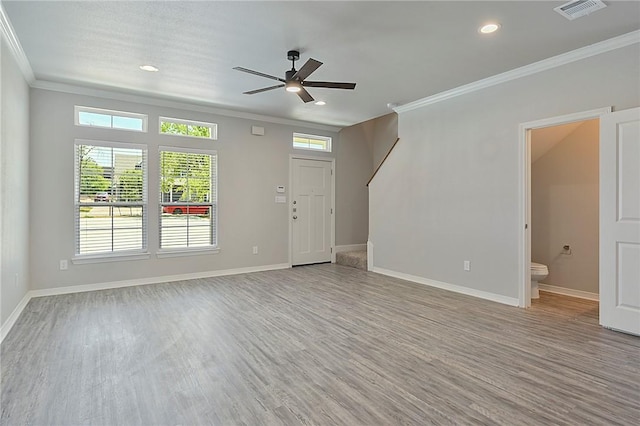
{"x": 396, "y": 52}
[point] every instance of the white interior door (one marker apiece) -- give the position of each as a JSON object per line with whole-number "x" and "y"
{"x": 620, "y": 221}
{"x": 311, "y": 211}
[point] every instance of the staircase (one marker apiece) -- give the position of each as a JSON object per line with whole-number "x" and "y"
{"x": 355, "y": 259}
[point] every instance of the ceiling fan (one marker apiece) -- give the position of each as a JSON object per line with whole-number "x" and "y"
{"x": 294, "y": 81}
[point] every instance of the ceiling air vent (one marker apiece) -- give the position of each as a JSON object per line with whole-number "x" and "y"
{"x": 578, "y": 8}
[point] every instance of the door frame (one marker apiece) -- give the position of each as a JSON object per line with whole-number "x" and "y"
{"x": 524, "y": 191}
{"x": 333, "y": 201}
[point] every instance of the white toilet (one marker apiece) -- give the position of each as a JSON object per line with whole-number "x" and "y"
{"x": 538, "y": 273}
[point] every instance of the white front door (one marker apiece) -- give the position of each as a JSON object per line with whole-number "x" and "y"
{"x": 620, "y": 221}
{"x": 310, "y": 210}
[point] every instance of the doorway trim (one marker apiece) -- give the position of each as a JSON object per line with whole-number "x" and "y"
{"x": 524, "y": 191}
{"x": 333, "y": 201}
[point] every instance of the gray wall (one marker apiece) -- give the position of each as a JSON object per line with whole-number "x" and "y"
{"x": 564, "y": 209}
{"x": 14, "y": 184}
{"x": 449, "y": 191}
{"x": 385, "y": 133}
{"x": 364, "y": 144}
{"x": 249, "y": 167}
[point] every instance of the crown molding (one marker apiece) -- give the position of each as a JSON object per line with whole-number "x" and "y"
{"x": 14, "y": 45}
{"x": 143, "y": 98}
{"x": 527, "y": 70}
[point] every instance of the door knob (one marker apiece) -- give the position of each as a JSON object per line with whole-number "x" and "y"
{"x": 295, "y": 217}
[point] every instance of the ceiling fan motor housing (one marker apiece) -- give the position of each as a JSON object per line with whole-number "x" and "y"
{"x": 288, "y": 76}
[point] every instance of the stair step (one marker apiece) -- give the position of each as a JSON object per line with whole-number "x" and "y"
{"x": 355, "y": 259}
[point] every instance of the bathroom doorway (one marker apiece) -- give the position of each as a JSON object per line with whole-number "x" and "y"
{"x": 563, "y": 193}
{"x": 565, "y": 208}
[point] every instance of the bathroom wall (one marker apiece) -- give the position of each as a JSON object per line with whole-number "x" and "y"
{"x": 564, "y": 208}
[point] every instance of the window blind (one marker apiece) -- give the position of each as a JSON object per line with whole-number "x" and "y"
{"x": 188, "y": 198}
{"x": 110, "y": 197}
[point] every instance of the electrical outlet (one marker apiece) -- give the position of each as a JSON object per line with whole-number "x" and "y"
{"x": 255, "y": 249}
{"x": 64, "y": 265}
{"x": 467, "y": 265}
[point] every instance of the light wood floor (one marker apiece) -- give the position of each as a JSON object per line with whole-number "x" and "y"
{"x": 316, "y": 345}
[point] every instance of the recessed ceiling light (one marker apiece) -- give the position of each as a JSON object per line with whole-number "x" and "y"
{"x": 489, "y": 28}
{"x": 321, "y": 103}
{"x": 149, "y": 68}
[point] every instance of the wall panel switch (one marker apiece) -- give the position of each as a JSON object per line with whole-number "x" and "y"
{"x": 467, "y": 265}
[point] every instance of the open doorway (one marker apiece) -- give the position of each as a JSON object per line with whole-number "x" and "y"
{"x": 565, "y": 210}
{"x": 549, "y": 144}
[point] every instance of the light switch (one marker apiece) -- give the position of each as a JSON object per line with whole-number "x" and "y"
{"x": 280, "y": 199}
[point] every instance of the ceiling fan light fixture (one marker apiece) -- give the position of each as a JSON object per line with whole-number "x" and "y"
{"x": 321, "y": 103}
{"x": 292, "y": 86}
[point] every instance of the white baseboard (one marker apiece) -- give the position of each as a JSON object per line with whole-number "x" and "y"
{"x": 511, "y": 301}
{"x": 154, "y": 280}
{"x": 350, "y": 247}
{"x": 369, "y": 255}
{"x": 8, "y": 324}
{"x": 569, "y": 292}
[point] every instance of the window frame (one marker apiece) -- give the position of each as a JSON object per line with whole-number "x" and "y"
{"x": 213, "y": 127}
{"x": 327, "y": 139}
{"x": 77, "y": 109}
{"x": 213, "y": 203}
{"x": 113, "y": 255}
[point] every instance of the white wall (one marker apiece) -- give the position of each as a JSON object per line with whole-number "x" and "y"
{"x": 14, "y": 184}
{"x": 564, "y": 208}
{"x": 449, "y": 191}
{"x": 249, "y": 169}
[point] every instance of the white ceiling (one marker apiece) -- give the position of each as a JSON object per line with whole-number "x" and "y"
{"x": 396, "y": 52}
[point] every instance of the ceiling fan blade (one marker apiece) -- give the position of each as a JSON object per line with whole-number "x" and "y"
{"x": 310, "y": 66}
{"x": 264, "y": 89}
{"x": 258, "y": 73}
{"x": 304, "y": 95}
{"x": 329, "y": 85}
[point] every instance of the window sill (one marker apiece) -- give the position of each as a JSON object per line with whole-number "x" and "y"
{"x": 161, "y": 254}
{"x": 102, "y": 258}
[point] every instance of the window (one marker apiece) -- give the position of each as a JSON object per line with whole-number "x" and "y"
{"x": 110, "y": 197}
{"x": 195, "y": 129}
{"x": 188, "y": 198}
{"x": 95, "y": 117}
{"x": 312, "y": 142}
